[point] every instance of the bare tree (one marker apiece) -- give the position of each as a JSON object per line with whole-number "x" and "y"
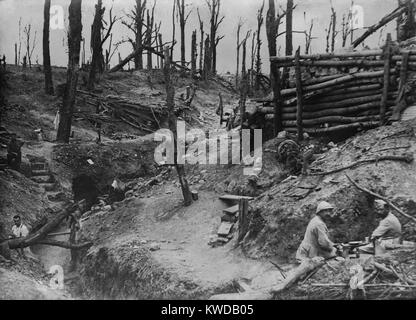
{"x": 214, "y": 7}
{"x": 289, "y": 28}
{"x": 107, "y": 29}
{"x": 253, "y": 59}
{"x": 135, "y": 24}
{"x": 29, "y": 47}
{"x": 46, "y": 52}
{"x": 308, "y": 35}
{"x": 334, "y": 25}
{"x": 273, "y": 21}
{"x": 170, "y": 102}
{"x": 239, "y": 25}
{"x": 201, "y": 44}
{"x": 20, "y": 41}
{"x": 244, "y": 80}
{"x": 97, "y": 62}
{"x": 74, "y": 47}
{"x": 173, "y": 28}
{"x": 183, "y": 18}
{"x": 207, "y": 58}
{"x": 194, "y": 54}
{"x": 260, "y": 21}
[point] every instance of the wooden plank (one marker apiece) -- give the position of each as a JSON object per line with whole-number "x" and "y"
{"x": 387, "y": 63}
{"x": 232, "y": 210}
{"x": 225, "y": 228}
{"x": 231, "y": 197}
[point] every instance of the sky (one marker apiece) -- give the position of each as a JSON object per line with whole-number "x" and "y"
{"x": 31, "y": 11}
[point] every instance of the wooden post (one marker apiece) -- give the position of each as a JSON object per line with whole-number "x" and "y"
{"x": 401, "y": 97}
{"x": 242, "y": 219}
{"x": 299, "y": 95}
{"x": 387, "y": 62}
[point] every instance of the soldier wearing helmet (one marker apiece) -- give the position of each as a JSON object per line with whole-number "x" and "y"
{"x": 316, "y": 242}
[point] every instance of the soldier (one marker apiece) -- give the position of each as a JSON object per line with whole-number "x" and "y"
{"x": 316, "y": 242}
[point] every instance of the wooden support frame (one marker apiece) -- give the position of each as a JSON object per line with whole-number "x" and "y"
{"x": 386, "y": 86}
{"x": 299, "y": 95}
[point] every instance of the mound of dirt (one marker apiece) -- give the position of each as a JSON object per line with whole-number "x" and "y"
{"x": 280, "y": 215}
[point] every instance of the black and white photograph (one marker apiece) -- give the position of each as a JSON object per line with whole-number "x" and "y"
{"x": 225, "y": 151}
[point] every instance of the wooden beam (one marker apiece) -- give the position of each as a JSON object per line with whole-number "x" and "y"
{"x": 401, "y": 97}
{"x": 386, "y": 85}
{"x": 299, "y": 95}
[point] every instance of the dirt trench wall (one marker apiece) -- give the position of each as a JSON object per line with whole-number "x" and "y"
{"x": 129, "y": 272}
{"x": 17, "y": 194}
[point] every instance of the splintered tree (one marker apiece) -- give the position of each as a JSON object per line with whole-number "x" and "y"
{"x": 308, "y": 36}
{"x": 214, "y": 7}
{"x": 201, "y": 44}
{"x": 29, "y": 47}
{"x": 46, "y": 52}
{"x": 207, "y": 58}
{"x": 97, "y": 63}
{"x": 74, "y": 48}
{"x": 170, "y": 102}
{"x": 239, "y": 25}
{"x": 244, "y": 81}
{"x": 194, "y": 53}
{"x": 331, "y": 32}
{"x": 260, "y": 21}
{"x": 183, "y": 18}
{"x": 273, "y": 22}
{"x": 135, "y": 24}
{"x": 289, "y": 28}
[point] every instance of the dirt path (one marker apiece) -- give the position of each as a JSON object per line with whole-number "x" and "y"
{"x": 183, "y": 235}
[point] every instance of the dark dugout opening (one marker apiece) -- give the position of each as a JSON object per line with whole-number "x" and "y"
{"x": 84, "y": 187}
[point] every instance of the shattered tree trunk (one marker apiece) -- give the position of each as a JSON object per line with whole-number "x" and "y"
{"x": 74, "y": 47}
{"x": 46, "y": 51}
{"x": 289, "y": 28}
{"x": 272, "y": 29}
{"x": 201, "y": 44}
{"x": 97, "y": 50}
{"x": 182, "y": 24}
{"x": 237, "y": 73}
{"x": 149, "y": 40}
{"x": 207, "y": 58}
{"x": 260, "y": 21}
{"x": 170, "y": 101}
{"x": 243, "y": 87}
{"x": 194, "y": 54}
{"x": 139, "y": 15}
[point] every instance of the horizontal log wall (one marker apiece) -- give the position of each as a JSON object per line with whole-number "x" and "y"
{"x": 344, "y": 91}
